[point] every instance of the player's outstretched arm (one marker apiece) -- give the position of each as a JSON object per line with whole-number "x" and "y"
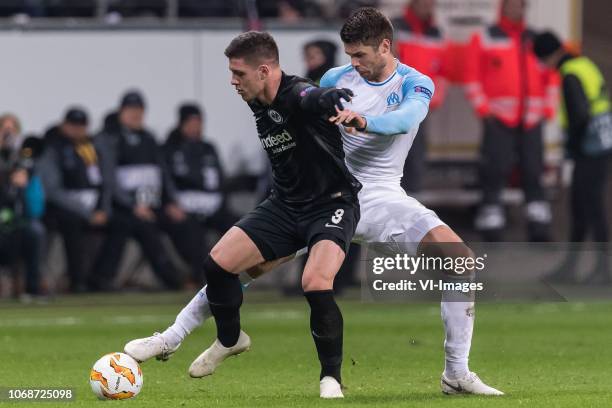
{"x": 417, "y": 91}
{"x": 323, "y": 100}
{"x": 409, "y": 115}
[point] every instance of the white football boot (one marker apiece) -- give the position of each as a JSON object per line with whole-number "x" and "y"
{"x": 144, "y": 349}
{"x": 469, "y": 384}
{"x": 209, "y": 360}
{"x": 330, "y": 388}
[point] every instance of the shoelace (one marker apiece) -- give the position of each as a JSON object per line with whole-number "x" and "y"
{"x": 472, "y": 377}
{"x": 165, "y": 349}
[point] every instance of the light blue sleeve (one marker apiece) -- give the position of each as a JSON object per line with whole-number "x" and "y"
{"x": 331, "y": 77}
{"x": 417, "y": 92}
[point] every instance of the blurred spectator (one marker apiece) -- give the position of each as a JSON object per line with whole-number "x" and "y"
{"x": 77, "y": 197}
{"x": 32, "y": 8}
{"x": 21, "y": 206}
{"x": 197, "y": 173}
{"x": 289, "y": 11}
{"x": 10, "y": 134}
{"x": 250, "y": 12}
{"x": 208, "y": 8}
{"x": 110, "y": 123}
{"x": 138, "y": 8}
{"x": 142, "y": 189}
{"x": 419, "y": 44}
{"x": 71, "y": 8}
{"x": 11, "y": 7}
{"x": 587, "y": 120}
{"x": 513, "y": 95}
{"x": 346, "y": 7}
{"x": 320, "y": 57}
{"x": 32, "y": 148}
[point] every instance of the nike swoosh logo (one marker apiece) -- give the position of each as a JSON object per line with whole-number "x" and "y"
{"x": 457, "y": 388}
{"x": 328, "y": 225}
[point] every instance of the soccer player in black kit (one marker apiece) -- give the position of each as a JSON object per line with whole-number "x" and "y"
{"x": 313, "y": 203}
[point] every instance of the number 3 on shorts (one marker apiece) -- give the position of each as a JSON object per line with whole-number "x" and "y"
{"x": 337, "y": 217}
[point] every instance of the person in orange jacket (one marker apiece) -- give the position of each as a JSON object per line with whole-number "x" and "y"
{"x": 513, "y": 94}
{"x": 419, "y": 44}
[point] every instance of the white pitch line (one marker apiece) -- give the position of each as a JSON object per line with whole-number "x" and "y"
{"x": 270, "y": 314}
{"x": 38, "y": 322}
{"x": 79, "y": 321}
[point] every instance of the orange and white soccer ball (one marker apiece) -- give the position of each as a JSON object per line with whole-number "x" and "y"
{"x": 116, "y": 376}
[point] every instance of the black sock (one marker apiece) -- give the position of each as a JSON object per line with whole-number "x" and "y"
{"x": 326, "y": 327}
{"x": 225, "y": 298}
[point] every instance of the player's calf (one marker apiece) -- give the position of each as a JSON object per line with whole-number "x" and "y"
{"x": 326, "y": 321}
{"x": 326, "y": 325}
{"x": 457, "y": 307}
{"x": 224, "y": 293}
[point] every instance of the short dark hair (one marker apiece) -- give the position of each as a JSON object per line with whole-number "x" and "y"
{"x": 253, "y": 45}
{"x": 368, "y": 26}
{"x": 546, "y": 44}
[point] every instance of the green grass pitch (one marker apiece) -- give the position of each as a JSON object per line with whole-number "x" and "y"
{"x": 541, "y": 355}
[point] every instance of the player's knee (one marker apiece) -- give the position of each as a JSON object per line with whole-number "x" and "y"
{"x": 443, "y": 243}
{"x": 236, "y": 252}
{"x": 223, "y": 287}
{"x": 463, "y": 257}
{"x": 221, "y": 258}
{"x": 313, "y": 281}
{"x": 216, "y": 253}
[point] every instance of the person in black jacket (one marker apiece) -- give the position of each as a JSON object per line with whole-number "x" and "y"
{"x": 586, "y": 117}
{"x": 319, "y": 57}
{"x": 198, "y": 176}
{"x": 141, "y": 192}
{"x": 22, "y": 235}
{"x": 77, "y": 196}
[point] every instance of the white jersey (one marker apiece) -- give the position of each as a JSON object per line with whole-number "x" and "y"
{"x": 394, "y": 109}
{"x": 372, "y": 156}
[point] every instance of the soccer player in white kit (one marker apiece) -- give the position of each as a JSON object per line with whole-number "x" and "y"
{"x": 378, "y": 127}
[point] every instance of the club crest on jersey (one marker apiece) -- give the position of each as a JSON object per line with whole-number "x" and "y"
{"x": 275, "y": 116}
{"x": 393, "y": 99}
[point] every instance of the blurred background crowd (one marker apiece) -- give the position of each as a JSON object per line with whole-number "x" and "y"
{"x": 83, "y": 195}
{"x": 285, "y": 10}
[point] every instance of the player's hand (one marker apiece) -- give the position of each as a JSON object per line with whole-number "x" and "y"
{"x": 175, "y": 213}
{"x": 348, "y": 119}
{"x": 144, "y": 213}
{"x": 330, "y": 100}
{"x": 98, "y": 218}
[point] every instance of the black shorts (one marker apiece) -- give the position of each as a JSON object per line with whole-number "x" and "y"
{"x": 279, "y": 230}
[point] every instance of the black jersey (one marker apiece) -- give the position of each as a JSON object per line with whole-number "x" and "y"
{"x": 304, "y": 148}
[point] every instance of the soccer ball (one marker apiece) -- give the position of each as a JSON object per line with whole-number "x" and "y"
{"x": 116, "y": 376}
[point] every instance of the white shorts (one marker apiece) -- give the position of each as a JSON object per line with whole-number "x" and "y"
{"x": 389, "y": 215}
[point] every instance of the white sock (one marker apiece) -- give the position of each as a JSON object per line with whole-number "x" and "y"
{"x": 458, "y": 318}
{"x": 191, "y": 317}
